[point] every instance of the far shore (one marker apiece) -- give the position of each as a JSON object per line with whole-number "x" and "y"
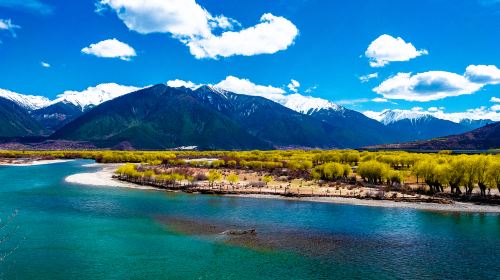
{"x": 104, "y": 178}
{"x": 31, "y": 162}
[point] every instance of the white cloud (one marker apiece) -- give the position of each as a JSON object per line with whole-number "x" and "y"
{"x": 224, "y": 23}
{"x": 435, "y": 85}
{"x": 386, "y": 49}
{"x": 495, "y": 99}
{"x": 368, "y": 77}
{"x": 311, "y": 89}
{"x": 293, "y": 86}
{"x": 481, "y": 113}
{"x": 483, "y": 74}
{"x": 111, "y": 48}
{"x": 427, "y": 86}
{"x": 379, "y": 100}
{"x": 6, "y": 24}
{"x": 181, "y": 18}
{"x": 245, "y": 86}
{"x": 271, "y": 35}
{"x": 180, "y": 83}
{"x": 352, "y": 101}
{"x": 194, "y": 26}
{"x": 45, "y": 64}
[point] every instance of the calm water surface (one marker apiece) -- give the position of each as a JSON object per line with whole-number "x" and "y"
{"x": 65, "y": 231}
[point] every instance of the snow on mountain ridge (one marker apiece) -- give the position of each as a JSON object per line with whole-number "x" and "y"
{"x": 305, "y": 104}
{"x": 29, "y": 102}
{"x": 93, "y": 96}
{"x": 297, "y": 102}
{"x": 391, "y": 116}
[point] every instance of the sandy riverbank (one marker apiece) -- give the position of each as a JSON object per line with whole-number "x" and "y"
{"x": 104, "y": 178}
{"x": 31, "y": 162}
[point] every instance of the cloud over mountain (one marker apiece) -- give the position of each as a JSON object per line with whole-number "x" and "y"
{"x": 435, "y": 85}
{"x": 111, "y": 48}
{"x": 386, "y": 49}
{"x": 195, "y": 27}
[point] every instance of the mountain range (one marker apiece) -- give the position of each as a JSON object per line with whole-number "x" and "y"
{"x": 483, "y": 138}
{"x": 162, "y": 117}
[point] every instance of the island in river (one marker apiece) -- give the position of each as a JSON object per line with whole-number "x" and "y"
{"x": 439, "y": 181}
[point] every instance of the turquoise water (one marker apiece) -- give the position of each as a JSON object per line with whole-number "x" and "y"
{"x": 65, "y": 231}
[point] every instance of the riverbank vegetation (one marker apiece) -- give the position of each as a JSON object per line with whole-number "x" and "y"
{"x": 442, "y": 174}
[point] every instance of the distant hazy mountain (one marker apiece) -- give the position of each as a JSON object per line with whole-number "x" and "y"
{"x": 486, "y": 137}
{"x": 15, "y": 121}
{"x": 417, "y": 125}
{"x": 57, "y": 115}
{"x": 354, "y": 128}
{"x": 473, "y": 124}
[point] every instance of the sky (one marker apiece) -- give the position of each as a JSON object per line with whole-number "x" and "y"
{"x": 437, "y": 56}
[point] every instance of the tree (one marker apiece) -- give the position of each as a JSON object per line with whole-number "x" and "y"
{"x": 372, "y": 171}
{"x": 493, "y": 174}
{"x": 176, "y": 178}
{"x": 434, "y": 174}
{"x": 126, "y": 170}
{"x": 213, "y": 176}
{"x": 469, "y": 175}
{"x": 267, "y": 179}
{"x": 455, "y": 169}
{"x": 232, "y": 179}
{"x": 482, "y": 163}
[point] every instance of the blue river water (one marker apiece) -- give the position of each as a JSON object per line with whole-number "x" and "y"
{"x": 51, "y": 229}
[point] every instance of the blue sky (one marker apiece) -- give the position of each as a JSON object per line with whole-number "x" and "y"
{"x": 322, "y": 44}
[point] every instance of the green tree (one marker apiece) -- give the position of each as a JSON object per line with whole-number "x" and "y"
{"x": 232, "y": 179}
{"x": 482, "y": 163}
{"x": 267, "y": 179}
{"x": 493, "y": 174}
{"x": 213, "y": 176}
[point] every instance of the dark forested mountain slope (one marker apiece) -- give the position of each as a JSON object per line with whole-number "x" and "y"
{"x": 15, "y": 121}
{"x": 159, "y": 117}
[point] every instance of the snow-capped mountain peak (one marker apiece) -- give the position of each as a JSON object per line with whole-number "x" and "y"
{"x": 94, "y": 96}
{"x": 392, "y": 116}
{"x": 305, "y": 104}
{"x": 29, "y": 102}
{"x": 297, "y": 102}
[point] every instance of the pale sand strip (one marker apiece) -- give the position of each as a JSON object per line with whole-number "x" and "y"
{"x": 33, "y": 162}
{"x": 104, "y": 178}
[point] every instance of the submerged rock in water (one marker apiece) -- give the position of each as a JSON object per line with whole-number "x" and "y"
{"x": 240, "y": 232}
